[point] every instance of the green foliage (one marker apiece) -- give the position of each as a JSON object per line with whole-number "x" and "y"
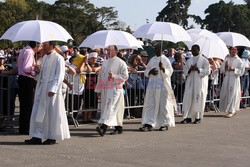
{"x": 228, "y": 17}
{"x": 176, "y": 11}
{"x": 79, "y": 17}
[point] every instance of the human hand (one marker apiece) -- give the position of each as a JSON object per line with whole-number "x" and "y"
{"x": 153, "y": 71}
{"x": 161, "y": 66}
{"x": 111, "y": 76}
{"x": 50, "y": 94}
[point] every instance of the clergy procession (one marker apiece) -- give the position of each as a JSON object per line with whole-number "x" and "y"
{"x": 114, "y": 75}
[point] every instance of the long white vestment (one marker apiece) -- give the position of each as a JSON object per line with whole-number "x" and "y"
{"x": 158, "y": 109}
{"x": 48, "y": 118}
{"x": 196, "y": 87}
{"x": 112, "y": 94}
{"x": 230, "y": 92}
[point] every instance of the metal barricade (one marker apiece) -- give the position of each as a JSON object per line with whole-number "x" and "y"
{"x": 5, "y": 97}
{"x": 134, "y": 92}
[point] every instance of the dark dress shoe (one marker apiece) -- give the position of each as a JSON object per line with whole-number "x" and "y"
{"x": 33, "y": 141}
{"x": 163, "y": 128}
{"x": 118, "y": 130}
{"x": 101, "y": 129}
{"x": 146, "y": 128}
{"x": 49, "y": 142}
{"x": 197, "y": 121}
{"x": 186, "y": 121}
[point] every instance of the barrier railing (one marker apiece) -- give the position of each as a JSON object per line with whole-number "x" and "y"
{"x": 79, "y": 101}
{"x": 5, "y": 97}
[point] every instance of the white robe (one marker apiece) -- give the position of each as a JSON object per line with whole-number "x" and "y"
{"x": 230, "y": 92}
{"x": 48, "y": 118}
{"x": 112, "y": 95}
{"x": 196, "y": 86}
{"x": 158, "y": 109}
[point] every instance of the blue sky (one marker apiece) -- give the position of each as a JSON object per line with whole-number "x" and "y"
{"x": 135, "y": 12}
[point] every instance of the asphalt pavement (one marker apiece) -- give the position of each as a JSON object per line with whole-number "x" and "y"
{"x": 217, "y": 141}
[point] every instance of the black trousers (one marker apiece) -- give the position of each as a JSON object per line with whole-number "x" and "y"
{"x": 26, "y": 96}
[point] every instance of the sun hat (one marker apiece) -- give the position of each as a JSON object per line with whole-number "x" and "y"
{"x": 245, "y": 53}
{"x": 93, "y": 54}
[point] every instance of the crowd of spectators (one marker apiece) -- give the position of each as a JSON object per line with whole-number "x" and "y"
{"x": 82, "y": 67}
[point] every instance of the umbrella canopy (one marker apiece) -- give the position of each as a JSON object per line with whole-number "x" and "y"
{"x": 203, "y": 32}
{"x": 165, "y": 31}
{"x": 104, "y": 38}
{"x": 209, "y": 47}
{"x": 36, "y": 30}
{"x": 234, "y": 39}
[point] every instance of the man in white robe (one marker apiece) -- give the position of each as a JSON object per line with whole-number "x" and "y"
{"x": 230, "y": 92}
{"x": 159, "y": 104}
{"x": 48, "y": 119}
{"x": 109, "y": 87}
{"x": 196, "y": 69}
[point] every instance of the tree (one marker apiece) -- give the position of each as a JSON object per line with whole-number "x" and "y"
{"x": 219, "y": 16}
{"x": 80, "y": 17}
{"x": 175, "y": 12}
{"x": 228, "y": 17}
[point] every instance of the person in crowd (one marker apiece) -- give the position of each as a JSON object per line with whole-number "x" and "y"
{"x": 170, "y": 55}
{"x": 109, "y": 87}
{"x": 26, "y": 83}
{"x": 245, "y": 77}
{"x": 100, "y": 59}
{"x": 230, "y": 92}
{"x": 196, "y": 69}
{"x": 48, "y": 120}
{"x": 213, "y": 81}
{"x": 77, "y": 62}
{"x": 159, "y": 104}
{"x": 10, "y": 85}
{"x": 103, "y": 53}
{"x": 3, "y": 93}
{"x": 91, "y": 100}
{"x": 144, "y": 57}
{"x": 68, "y": 70}
{"x": 178, "y": 79}
{"x": 75, "y": 51}
{"x": 65, "y": 52}
{"x": 135, "y": 84}
{"x": 120, "y": 54}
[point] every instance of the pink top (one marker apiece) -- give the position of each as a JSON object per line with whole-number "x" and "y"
{"x": 26, "y": 62}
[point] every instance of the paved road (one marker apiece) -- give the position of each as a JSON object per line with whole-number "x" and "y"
{"x": 217, "y": 141}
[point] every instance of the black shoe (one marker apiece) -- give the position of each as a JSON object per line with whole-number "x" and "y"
{"x": 146, "y": 128}
{"x": 197, "y": 121}
{"x": 118, "y": 130}
{"x": 33, "y": 141}
{"x": 163, "y": 128}
{"x": 101, "y": 130}
{"x": 186, "y": 121}
{"x": 49, "y": 142}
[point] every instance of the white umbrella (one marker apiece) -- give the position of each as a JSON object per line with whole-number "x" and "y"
{"x": 203, "y": 32}
{"x": 104, "y": 38}
{"x": 209, "y": 47}
{"x": 234, "y": 39}
{"x": 163, "y": 31}
{"x": 36, "y": 30}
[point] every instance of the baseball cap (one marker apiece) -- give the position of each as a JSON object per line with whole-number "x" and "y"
{"x": 64, "y": 48}
{"x": 144, "y": 53}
